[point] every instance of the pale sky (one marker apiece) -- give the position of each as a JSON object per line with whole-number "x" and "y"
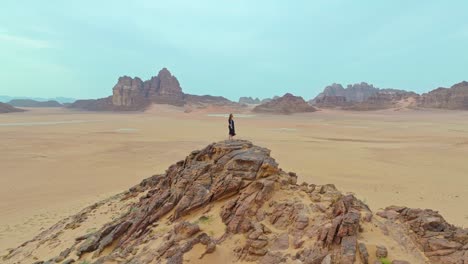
{"x": 231, "y": 48}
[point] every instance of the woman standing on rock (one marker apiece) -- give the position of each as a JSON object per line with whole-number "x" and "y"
{"x": 232, "y": 130}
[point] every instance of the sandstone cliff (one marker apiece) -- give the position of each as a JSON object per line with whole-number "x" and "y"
{"x": 353, "y": 93}
{"x": 385, "y": 99}
{"x": 455, "y": 97}
{"x": 362, "y": 97}
{"x": 133, "y": 94}
{"x": 287, "y": 104}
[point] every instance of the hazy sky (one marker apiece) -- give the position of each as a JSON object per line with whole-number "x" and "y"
{"x": 231, "y": 48}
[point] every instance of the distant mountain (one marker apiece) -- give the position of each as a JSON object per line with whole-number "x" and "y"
{"x": 358, "y": 92}
{"x": 133, "y": 94}
{"x": 33, "y": 103}
{"x": 287, "y": 104}
{"x": 6, "y": 108}
{"x": 455, "y": 97}
{"x": 249, "y": 100}
{"x": 62, "y": 100}
{"x": 360, "y": 96}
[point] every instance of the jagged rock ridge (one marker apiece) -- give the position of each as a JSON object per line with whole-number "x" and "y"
{"x": 231, "y": 202}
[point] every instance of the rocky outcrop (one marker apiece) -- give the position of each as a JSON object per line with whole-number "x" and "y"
{"x": 6, "y": 108}
{"x": 440, "y": 241}
{"x": 249, "y": 100}
{"x": 331, "y": 101}
{"x": 133, "y": 94}
{"x": 353, "y": 93}
{"x": 363, "y": 97}
{"x": 287, "y": 104}
{"x": 385, "y": 99}
{"x": 33, "y": 103}
{"x": 232, "y": 199}
{"x": 455, "y": 97}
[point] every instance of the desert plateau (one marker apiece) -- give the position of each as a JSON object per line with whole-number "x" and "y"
{"x": 75, "y": 158}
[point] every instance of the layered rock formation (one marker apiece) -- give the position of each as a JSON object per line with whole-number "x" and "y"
{"x": 34, "y": 103}
{"x": 455, "y": 97}
{"x": 230, "y": 202}
{"x": 287, "y": 104}
{"x": 6, "y": 108}
{"x": 130, "y": 94}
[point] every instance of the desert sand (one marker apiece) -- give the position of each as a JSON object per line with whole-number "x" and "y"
{"x": 55, "y": 162}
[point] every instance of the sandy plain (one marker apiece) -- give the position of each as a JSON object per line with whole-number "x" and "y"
{"x": 54, "y": 162}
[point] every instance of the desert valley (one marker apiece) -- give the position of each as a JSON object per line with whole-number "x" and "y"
{"x": 304, "y": 182}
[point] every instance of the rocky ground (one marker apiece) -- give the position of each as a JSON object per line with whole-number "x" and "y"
{"x": 230, "y": 202}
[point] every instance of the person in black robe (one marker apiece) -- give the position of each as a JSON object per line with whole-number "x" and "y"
{"x": 232, "y": 130}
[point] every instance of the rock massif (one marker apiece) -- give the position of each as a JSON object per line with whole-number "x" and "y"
{"x": 131, "y": 94}
{"x": 34, "y": 103}
{"x": 6, "y": 108}
{"x": 287, "y": 104}
{"x": 367, "y": 97}
{"x": 455, "y": 97}
{"x": 358, "y": 92}
{"x": 363, "y": 97}
{"x": 230, "y": 202}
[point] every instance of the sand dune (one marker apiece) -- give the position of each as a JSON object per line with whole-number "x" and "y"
{"x": 54, "y": 166}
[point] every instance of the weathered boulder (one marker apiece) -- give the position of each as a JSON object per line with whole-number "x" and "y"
{"x": 440, "y": 241}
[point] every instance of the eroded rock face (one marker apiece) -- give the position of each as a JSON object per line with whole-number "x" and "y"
{"x": 6, "y": 108}
{"x": 127, "y": 91}
{"x": 331, "y": 101}
{"x": 455, "y": 97}
{"x": 385, "y": 99}
{"x": 440, "y": 241}
{"x": 287, "y": 104}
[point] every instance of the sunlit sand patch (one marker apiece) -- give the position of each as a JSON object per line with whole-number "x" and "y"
{"x": 285, "y": 129}
{"x": 47, "y": 123}
{"x": 227, "y": 115}
{"x": 126, "y": 130}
